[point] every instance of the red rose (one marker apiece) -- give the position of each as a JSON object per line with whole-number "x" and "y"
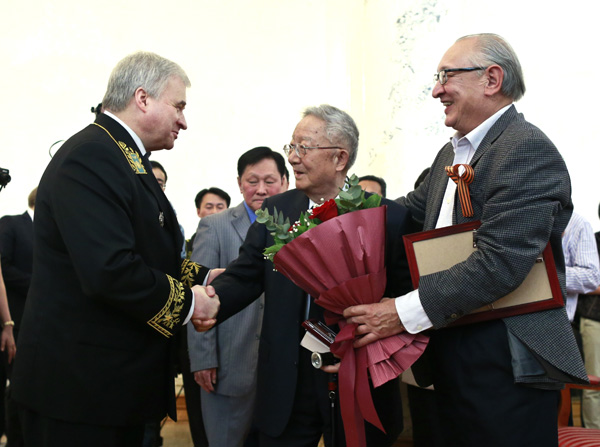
{"x": 326, "y": 211}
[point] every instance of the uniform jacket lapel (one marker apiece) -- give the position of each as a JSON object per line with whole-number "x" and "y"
{"x": 167, "y": 215}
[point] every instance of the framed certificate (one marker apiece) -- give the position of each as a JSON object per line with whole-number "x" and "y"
{"x": 436, "y": 250}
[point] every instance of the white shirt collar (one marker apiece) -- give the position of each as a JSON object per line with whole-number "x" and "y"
{"x": 476, "y": 135}
{"x": 137, "y": 139}
{"x": 312, "y": 204}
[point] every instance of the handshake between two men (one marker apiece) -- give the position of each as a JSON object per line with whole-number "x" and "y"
{"x": 206, "y": 303}
{"x": 375, "y": 321}
{"x": 206, "y": 307}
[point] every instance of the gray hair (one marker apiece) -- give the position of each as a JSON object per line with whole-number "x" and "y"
{"x": 140, "y": 69}
{"x": 493, "y": 49}
{"x": 339, "y": 127}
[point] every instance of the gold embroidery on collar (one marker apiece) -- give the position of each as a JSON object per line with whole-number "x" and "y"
{"x": 169, "y": 316}
{"x": 134, "y": 159}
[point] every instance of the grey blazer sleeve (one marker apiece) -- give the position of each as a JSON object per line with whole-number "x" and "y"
{"x": 202, "y": 346}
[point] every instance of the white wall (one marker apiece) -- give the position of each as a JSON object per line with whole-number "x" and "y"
{"x": 254, "y": 65}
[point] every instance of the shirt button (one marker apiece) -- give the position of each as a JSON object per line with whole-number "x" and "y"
{"x": 419, "y": 327}
{"x": 453, "y": 316}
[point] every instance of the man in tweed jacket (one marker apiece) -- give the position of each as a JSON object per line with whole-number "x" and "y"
{"x": 495, "y": 381}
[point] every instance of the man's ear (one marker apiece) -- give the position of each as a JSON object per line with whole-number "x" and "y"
{"x": 239, "y": 179}
{"x": 495, "y": 77}
{"x": 141, "y": 98}
{"x": 341, "y": 160}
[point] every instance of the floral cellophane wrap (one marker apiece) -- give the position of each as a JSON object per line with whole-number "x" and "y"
{"x": 341, "y": 263}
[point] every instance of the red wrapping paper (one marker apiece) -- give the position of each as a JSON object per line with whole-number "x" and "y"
{"x": 341, "y": 263}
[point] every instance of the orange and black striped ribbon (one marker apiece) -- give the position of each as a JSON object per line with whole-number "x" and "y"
{"x": 463, "y": 181}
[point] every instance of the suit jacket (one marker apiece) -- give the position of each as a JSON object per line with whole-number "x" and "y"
{"x": 105, "y": 296}
{"x": 249, "y": 275}
{"x": 232, "y": 347}
{"x": 522, "y": 195}
{"x": 16, "y": 253}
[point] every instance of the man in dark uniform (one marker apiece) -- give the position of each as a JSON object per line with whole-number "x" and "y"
{"x": 109, "y": 289}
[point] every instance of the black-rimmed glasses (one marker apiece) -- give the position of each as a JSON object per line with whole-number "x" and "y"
{"x": 301, "y": 149}
{"x": 442, "y": 75}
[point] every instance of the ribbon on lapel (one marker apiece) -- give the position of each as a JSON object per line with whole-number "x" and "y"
{"x": 463, "y": 181}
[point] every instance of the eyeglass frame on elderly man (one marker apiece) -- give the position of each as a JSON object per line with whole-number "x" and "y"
{"x": 441, "y": 75}
{"x": 287, "y": 149}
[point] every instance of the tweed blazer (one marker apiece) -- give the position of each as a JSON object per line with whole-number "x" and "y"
{"x": 231, "y": 347}
{"x": 522, "y": 195}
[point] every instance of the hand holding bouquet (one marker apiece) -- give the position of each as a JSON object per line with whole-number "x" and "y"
{"x": 335, "y": 252}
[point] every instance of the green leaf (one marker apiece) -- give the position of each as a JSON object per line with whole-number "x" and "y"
{"x": 353, "y": 180}
{"x": 262, "y": 216}
{"x": 273, "y": 249}
{"x": 373, "y": 201}
{"x": 355, "y": 192}
{"x": 283, "y": 235}
{"x": 345, "y": 195}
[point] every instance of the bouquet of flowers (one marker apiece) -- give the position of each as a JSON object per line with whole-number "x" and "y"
{"x": 354, "y": 228}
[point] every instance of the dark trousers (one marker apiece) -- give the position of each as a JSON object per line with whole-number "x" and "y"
{"x": 192, "y": 395}
{"x": 312, "y": 415}
{"x": 10, "y": 421}
{"x": 479, "y": 403}
{"x": 42, "y": 431}
{"x": 152, "y": 437}
{"x": 3, "y": 377}
{"x": 427, "y": 431}
{"x": 311, "y": 411}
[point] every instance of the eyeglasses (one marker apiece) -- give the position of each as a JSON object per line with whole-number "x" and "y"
{"x": 301, "y": 149}
{"x": 442, "y": 75}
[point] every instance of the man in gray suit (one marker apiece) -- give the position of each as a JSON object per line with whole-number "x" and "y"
{"x": 224, "y": 360}
{"x": 495, "y": 381}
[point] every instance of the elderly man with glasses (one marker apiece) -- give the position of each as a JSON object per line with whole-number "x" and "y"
{"x": 496, "y": 382}
{"x": 293, "y": 407}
